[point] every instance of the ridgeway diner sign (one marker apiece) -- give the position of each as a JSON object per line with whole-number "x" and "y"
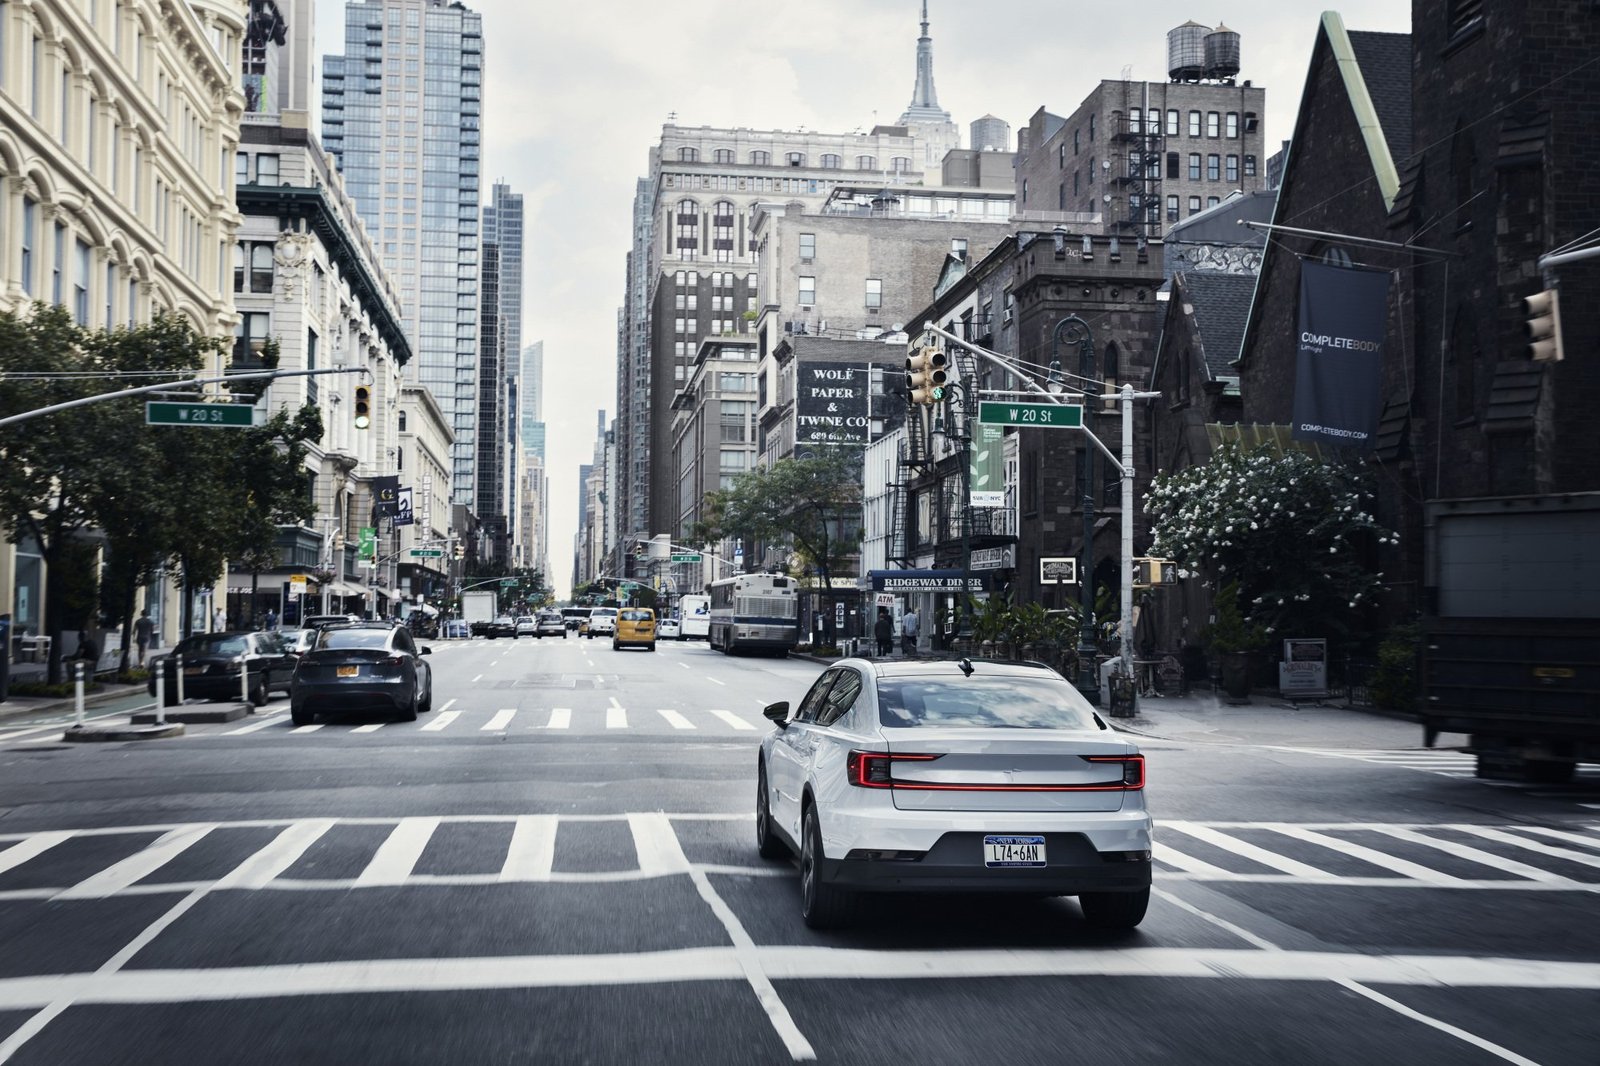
{"x": 922, "y": 581}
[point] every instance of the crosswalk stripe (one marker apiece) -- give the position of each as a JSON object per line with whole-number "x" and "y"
{"x": 1281, "y": 863}
{"x": 1477, "y": 855}
{"x": 656, "y": 844}
{"x": 136, "y": 867}
{"x": 1571, "y": 838}
{"x": 616, "y": 718}
{"x": 284, "y": 851}
{"x": 270, "y": 720}
{"x": 1415, "y": 871}
{"x": 560, "y": 718}
{"x": 31, "y": 848}
{"x": 1164, "y": 852}
{"x": 1530, "y": 845}
{"x": 533, "y": 849}
{"x": 500, "y": 721}
{"x": 441, "y": 720}
{"x": 398, "y": 854}
{"x": 732, "y": 719}
{"x": 312, "y": 728}
{"x": 370, "y": 727}
{"x": 676, "y": 720}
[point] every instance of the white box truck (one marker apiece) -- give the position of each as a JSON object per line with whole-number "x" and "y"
{"x": 478, "y": 608}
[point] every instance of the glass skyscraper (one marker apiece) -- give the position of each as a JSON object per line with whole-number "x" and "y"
{"x": 401, "y": 111}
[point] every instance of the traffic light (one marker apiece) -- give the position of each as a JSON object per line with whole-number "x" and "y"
{"x": 1544, "y": 326}
{"x": 363, "y": 406}
{"x": 926, "y": 376}
{"x": 461, "y": 551}
{"x": 1148, "y": 573}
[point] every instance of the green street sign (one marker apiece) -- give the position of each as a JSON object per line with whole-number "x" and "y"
{"x": 1047, "y": 415}
{"x": 162, "y": 413}
{"x": 427, "y": 553}
{"x": 508, "y": 582}
{"x": 367, "y": 542}
{"x": 686, "y": 557}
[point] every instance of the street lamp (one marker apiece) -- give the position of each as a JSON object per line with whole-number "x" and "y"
{"x": 1072, "y": 327}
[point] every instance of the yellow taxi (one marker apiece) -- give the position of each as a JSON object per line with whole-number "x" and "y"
{"x": 635, "y": 626}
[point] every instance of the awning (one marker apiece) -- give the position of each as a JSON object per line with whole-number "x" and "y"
{"x": 428, "y": 609}
{"x": 341, "y": 588}
{"x": 925, "y": 581}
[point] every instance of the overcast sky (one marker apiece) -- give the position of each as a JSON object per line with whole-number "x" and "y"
{"x": 576, "y": 94}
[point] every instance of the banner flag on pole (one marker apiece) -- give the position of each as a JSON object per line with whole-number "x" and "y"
{"x": 385, "y": 494}
{"x": 1339, "y": 355}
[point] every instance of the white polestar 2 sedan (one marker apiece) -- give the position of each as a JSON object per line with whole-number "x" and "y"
{"x": 969, "y": 776}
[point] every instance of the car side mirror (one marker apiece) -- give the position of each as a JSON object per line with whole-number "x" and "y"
{"x": 425, "y": 650}
{"x": 778, "y": 713}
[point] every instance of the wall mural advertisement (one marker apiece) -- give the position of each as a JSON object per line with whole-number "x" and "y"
{"x": 832, "y": 403}
{"x": 1339, "y": 355}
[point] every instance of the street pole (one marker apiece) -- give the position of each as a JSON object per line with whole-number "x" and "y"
{"x": 1126, "y": 627}
{"x": 1088, "y": 683}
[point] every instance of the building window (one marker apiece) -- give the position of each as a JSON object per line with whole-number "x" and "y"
{"x": 60, "y": 263}
{"x": 238, "y": 267}
{"x": 266, "y": 170}
{"x": 808, "y": 290}
{"x": 1009, "y": 308}
{"x": 1213, "y": 201}
{"x": 1153, "y": 122}
{"x": 1172, "y": 209}
{"x": 241, "y": 168}
{"x": 1213, "y": 124}
{"x": 261, "y": 267}
{"x": 110, "y": 293}
{"x": 1091, "y": 129}
{"x": 1076, "y": 187}
{"x": 1194, "y": 123}
{"x": 900, "y": 164}
{"x": 1194, "y": 166}
{"x": 1249, "y": 166}
{"x": 722, "y": 155}
{"x": 1194, "y": 205}
{"x": 831, "y": 161}
{"x": 1091, "y": 171}
{"x": 1464, "y": 15}
{"x": 808, "y": 246}
{"x": 1174, "y": 166}
{"x": 874, "y": 293}
{"x": 1232, "y": 172}
{"x": 30, "y": 222}
{"x": 1213, "y": 167}
{"x": 1233, "y": 124}
{"x": 1172, "y": 122}
{"x": 795, "y": 159}
{"x": 1075, "y": 142}
{"x": 1136, "y": 121}
{"x": 760, "y": 159}
{"x": 688, "y": 155}
{"x": 866, "y": 162}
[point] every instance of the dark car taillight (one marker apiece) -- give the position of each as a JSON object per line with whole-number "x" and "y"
{"x": 1132, "y": 768}
{"x": 872, "y": 769}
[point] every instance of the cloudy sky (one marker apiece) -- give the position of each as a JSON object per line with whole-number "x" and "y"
{"x": 576, "y": 94}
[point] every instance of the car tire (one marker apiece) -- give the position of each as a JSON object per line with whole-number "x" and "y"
{"x": 300, "y": 717}
{"x": 768, "y": 844}
{"x": 427, "y": 702}
{"x": 408, "y": 713}
{"x": 650, "y": 646}
{"x": 616, "y": 645}
{"x": 258, "y": 693}
{"x": 1548, "y": 772}
{"x": 1114, "y": 910}
{"x": 822, "y": 906}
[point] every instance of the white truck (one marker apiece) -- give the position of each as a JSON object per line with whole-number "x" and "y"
{"x": 695, "y": 617}
{"x": 478, "y": 610}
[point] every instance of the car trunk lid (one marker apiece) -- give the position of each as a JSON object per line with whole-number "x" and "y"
{"x": 984, "y": 769}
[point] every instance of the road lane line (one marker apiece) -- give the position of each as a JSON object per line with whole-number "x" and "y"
{"x": 1477, "y": 855}
{"x": 732, "y": 719}
{"x": 370, "y": 727}
{"x": 312, "y": 728}
{"x": 1400, "y": 866}
{"x": 1444, "y": 1027}
{"x": 135, "y": 867}
{"x": 533, "y": 849}
{"x": 475, "y": 680}
{"x": 676, "y": 720}
{"x": 270, "y": 720}
{"x": 1245, "y": 849}
{"x": 656, "y": 844}
{"x": 283, "y": 852}
{"x": 398, "y": 854}
{"x": 616, "y": 717}
{"x": 560, "y": 718}
{"x": 441, "y": 720}
{"x": 500, "y": 721}
{"x": 1528, "y": 845}
{"x": 1570, "y": 838}
{"x": 448, "y": 704}
{"x": 31, "y": 847}
{"x": 714, "y": 681}
{"x": 683, "y": 664}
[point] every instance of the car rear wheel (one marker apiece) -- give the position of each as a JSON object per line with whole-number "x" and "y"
{"x": 1114, "y": 910}
{"x": 408, "y": 713}
{"x": 822, "y": 906}
{"x": 651, "y": 646}
{"x": 427, "y": 701}
{"x": 768, "y": 846}
{"x": 258, "y": 693}
{"x": 300, "y": 717}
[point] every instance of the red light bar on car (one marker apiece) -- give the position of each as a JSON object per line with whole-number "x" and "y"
{"x": 874, "y": 769}
{"x": 870, "y": 769}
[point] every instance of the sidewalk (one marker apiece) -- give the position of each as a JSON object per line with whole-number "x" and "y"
{"x": 29, "y": 672}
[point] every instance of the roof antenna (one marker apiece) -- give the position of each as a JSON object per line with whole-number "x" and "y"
{"x": 966, "y": 666}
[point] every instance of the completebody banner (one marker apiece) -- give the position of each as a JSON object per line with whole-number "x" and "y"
{"x": 1339, "y": 356}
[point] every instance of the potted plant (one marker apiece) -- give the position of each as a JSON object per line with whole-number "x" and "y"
{"x": 1237, "y": 643}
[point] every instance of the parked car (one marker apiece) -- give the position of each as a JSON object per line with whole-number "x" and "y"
{"x": 551, "y": 624}
{"x": 527, "y": 626}
{"x": 362, "y": 666}
{"x": 669, "y": 629}
{"x": 317, "y": 621}
{"x": 297, "y": 641}
{"x": 602, "y": 621}
{"x": 635, "y": 627}
{"x": 980, "y": 777}
{"x": 502, "y": 626}
{"x": 212, "y": 663}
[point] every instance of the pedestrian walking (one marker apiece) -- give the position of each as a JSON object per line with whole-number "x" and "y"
{"x": 883, "y": 630}
{"x": 272, "y": 619}
{"x": 143, "y": 627}
{"x": 908, "y": 628}
{"x": 88, "y": 651}
{"x": 219, "y": 620}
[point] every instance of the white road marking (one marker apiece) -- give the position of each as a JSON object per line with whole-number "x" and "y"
{"x": 370, "y": 727}
{"x": 676, "y": 720}
{"x": 312, "y": 728}
{"x": 397, "y": 856}
{"x": 285, "y": 850}
{"x": 475, "y": 680}
{"x": 136, "y": 867}
{"x": 1531, "y": 845}
{"x": 683, "y": 664}
{"x": 448, "y": 704}
{"x": 1164, "y": 853}
{"x": 441, "y": 720}
{"x": 500, "y": 721}
{"x": 533, "y": 849}
{"x": 1444, "y": 1027}
{"x": 715, "y": 681}
{"x": 616, "y": 717}
{"x": 657, "y": 845}
{"x": 269, "y": 720}
{"x": 732, "y": 719}
{"x": 560, "y": 718}
{"x": 1248, "y": 850}
{"x": 1478, "y": 855}
{"x": 1571, "y": 838}
{"x": 1376, "y": 858}
{"x": 31, "y": 847}
{"x": 1221, "y": 923}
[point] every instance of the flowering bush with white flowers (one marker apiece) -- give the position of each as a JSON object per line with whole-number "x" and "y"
{"x": 1292, "y": 530}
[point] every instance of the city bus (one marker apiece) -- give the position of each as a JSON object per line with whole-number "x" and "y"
{"x": 694, "y": 617}
{"x": 754, "y": 612}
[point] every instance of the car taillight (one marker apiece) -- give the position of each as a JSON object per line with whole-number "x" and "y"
{"x": 1132, "y": 768}
{"x": 871, "y": 769}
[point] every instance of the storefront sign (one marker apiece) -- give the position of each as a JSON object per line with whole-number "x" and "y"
{"x": 1304, "y": 670}
{"x": 923, "y": 581}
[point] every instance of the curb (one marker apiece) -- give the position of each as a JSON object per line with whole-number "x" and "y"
{"x": 88, "y": 735}
{"x": 230, "y": 712}
{"x": 12, "y": 708}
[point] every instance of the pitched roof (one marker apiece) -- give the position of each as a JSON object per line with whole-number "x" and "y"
{"x": 1385, "y": 61}
{"x": 1221, "y": 305}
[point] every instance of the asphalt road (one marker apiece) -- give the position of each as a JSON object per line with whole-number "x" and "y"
{"x": 557, "y": 865}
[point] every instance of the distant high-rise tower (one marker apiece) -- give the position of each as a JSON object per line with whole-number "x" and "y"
{"x": 928, "y": 122}
{"x": 497, "y": 440}
{"x": 991, "y": 134}
{"x": 401, "y": 111}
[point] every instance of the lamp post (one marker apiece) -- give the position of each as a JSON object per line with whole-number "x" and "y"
{"x": 1072, "y": 327}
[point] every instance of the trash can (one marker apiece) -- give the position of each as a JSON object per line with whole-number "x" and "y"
{"x": 1124, "y": 696}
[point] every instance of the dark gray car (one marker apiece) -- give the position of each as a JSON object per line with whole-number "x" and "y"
{"x": 360, "y": 667}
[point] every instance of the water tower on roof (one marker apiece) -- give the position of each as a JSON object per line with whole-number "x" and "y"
{"x": 1222, "y": 54}
{"x": 1186, "y": 51}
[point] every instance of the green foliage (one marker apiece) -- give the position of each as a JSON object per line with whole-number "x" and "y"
{"x": 1289, "y": 529}
{"x": 1027, "y": 623}
{"x": 989, "y": 618}
{"x": 1233, "y": 631}
{"x": 1394, "y": 681}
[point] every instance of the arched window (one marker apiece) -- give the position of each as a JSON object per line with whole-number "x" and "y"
{"x": 722, "y": 231}
{"x": 261, "y": 267}
{"x": 760, "y": 159}
{"x": 723, "y": 155}
{"x": 688, "y": 155}
{"x": 795, "y": 159}
{"x": 830, "y": 161}
{"x": 238, "y": 267}
{"x": 402, "y": 421}
{"x": 866, "y": 162}
{"x": 1112, "y": 370}
{"x": 900, "y": 164}
{"x": 686, "y": 228}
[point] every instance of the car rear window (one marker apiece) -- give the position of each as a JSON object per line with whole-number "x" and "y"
{"x": 354, "y": 638}
{"x": 604, "y": 612}
{"x": 637, "y": 616}
{"x": 1000, "y": 702}
{"x": 212, "y": 645}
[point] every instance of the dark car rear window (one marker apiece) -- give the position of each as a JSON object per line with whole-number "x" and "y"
{"x": 1002, "y": 702}
{"x": 637, "y": 616}
{"x": 213, "y": 644}
{"x": 354, "y": 638}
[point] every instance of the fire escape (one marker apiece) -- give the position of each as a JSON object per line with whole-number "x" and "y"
{"x": 1138, "y": 174}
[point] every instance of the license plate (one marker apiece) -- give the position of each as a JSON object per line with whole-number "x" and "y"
{"x": 190, "y": 671}
{"x": 348, "y": 671}
{"x": 1004, "y": 852}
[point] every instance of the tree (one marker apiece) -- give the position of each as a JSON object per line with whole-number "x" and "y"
{"x": 802, "y": 502}
{"x": 1290, "y": 529}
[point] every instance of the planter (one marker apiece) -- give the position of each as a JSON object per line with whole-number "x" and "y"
{"x": 1238, "y": 674}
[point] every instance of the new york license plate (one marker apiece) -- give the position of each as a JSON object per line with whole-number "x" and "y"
{"x": 1001, "y": 852}
{"x": 348, "y": 671}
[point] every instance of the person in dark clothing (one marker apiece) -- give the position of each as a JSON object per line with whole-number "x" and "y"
{"x": 883, "y": 631}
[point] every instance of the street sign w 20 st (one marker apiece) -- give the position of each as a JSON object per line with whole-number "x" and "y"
{"x": 224, "y": 415}
{"x": 1046, "y": 415}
